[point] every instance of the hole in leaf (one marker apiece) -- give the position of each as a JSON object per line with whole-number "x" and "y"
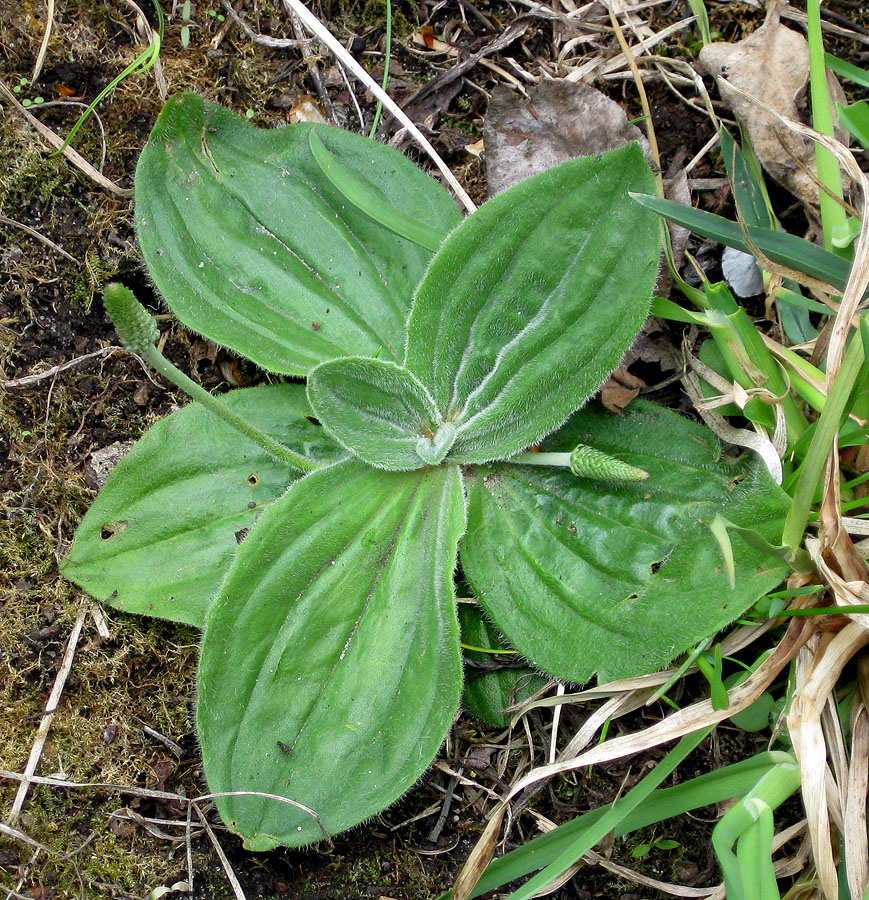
{"x": 653, "y": 568}
{"x": 107, "y": 532}
{"x": 314, "y": 420}
{"x": 252, "y": 479}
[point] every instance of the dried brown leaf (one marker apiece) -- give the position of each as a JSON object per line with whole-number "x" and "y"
{"x": 558, "y": 121}
{"x": 771, "y": 65}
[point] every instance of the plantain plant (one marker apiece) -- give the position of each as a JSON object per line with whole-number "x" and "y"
{"x": 313, "y": 530}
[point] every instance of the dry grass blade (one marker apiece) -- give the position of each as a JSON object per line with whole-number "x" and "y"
{"x": 677, "y": 725}
{"x": 316, "y": 27}
{"x": 816, "y": 679}
{"x": 47, "y": 717}
{"x": 665, "y": 887}
{"x": 856, "y": 842}
{"x": 846, "y": 593}
{"x": 28, "y": 380}
{"x": 224, "y": 862}
{"x": 46, "y": 40}
{"x": 40, "y": 237}
{"x": 11, "y": 832}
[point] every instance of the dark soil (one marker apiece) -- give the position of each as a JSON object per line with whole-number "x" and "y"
{"x": 141, "y": 677}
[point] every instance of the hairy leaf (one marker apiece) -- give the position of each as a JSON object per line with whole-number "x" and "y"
{"x": 252, "y": 245}
{"x": 330, "y": 669}
{"x": 380, "y": 411}
{"x": 164, "y": 529}
{"x": 628, "y": 576}
{"x": 488, "y": 691}
{"x": 532, "y": 300}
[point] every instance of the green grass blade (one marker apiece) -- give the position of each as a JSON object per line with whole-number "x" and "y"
{"x": 698, "y": 8}
{"x": 847, "y": 70}
{"x": 833, "y": 219}
{"x": 780, "y": 247}
{"x": 386, "y": 58}
{"x": 816, "y": 456}
{"x": 713, "y": 787}
{"x": 855, "y": 118}
{"x": 613, "y": 816}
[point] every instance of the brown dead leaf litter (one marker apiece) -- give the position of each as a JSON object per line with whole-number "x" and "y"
{"x": 108, "y": 700}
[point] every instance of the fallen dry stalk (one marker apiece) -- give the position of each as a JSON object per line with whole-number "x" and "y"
{"x": 57, "y": 142}
{"x": 817, "y": 679}
{"x": 47, "y": 717}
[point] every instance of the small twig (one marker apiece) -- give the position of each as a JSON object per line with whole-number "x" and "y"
{"x": 40, "y": 237}
{"x": 352, "y": 94}
{"x": 25, "y": 504}
{"x": 47, "y": 717}
{"x": 311, "y": 62}
{"x": 166, "y": 742}
{"x": 100, "y": 621}
{"x": 28, "y": 380}
{"x": 264, "y": 40}
{"x": 435, "y": 833}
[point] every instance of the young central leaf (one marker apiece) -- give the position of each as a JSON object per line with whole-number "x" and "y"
{"x": 381, "y": 412}
{"x": 531, "y": 302}
{"x": 330, "y": 669}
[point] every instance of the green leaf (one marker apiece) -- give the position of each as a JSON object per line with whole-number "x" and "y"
{"x": 855, "y": 117}
{"x": 164, "y": 529}
{"x": 531, "y": 302}
{"x": 628, "y": 576}
{"x": 380, "y": 411}
{"x": 779, "y": 246}
{"x": 847, "y": 70}
{"x": 330, "y": 669}
{"x": 748, "y": 192}
{"x": 757, "y": 716}
{"x": 251, "y": 245}
{"x": 487, "y": 693}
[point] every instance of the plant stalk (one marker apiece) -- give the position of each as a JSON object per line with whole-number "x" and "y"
{"x": 198, "y": 393}
{"x": 825, "y": 431}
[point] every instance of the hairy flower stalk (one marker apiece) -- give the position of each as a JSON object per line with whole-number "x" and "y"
{"x": 585, "y": 462}
{"x": 138, "y": 333}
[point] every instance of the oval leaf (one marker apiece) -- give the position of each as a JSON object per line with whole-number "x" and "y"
{"x": 380, "y": 411}
{"x": 186, "y": 496}
{"x": 330, "y": 669}
{"x": 531, "y": 302}
{"x": 251, "y": 244}
{"x": 630, "y": 575}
